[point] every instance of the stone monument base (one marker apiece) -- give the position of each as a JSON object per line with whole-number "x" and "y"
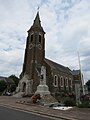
{"x": 42, "y": 90}
{"x": 19, "y": 94}
{"x": 47, "y": 100}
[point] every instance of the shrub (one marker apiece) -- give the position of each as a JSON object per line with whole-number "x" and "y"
{"x": 84, "y": 104}
{"x": 69, "y": 102}
{"x": 12, "y": 88}
{"x": 15, "y": 79}
{"x": 3, "y": 85}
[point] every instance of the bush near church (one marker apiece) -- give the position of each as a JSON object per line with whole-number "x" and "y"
{"x": 15, "y": 84}
{"x": 15, "y": 79}
{"x": 70, "y": 102}
{"x": 8, "y": 84}
{"x": 88, "y": 85}
{"x": 84, "y": 104}
{"x": 3, "y": 86}
{"x": 85, "y": 101}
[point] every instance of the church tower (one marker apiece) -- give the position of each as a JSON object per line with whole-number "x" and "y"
{"x": 33, "y": 59}
{"x": 35, "y": 48}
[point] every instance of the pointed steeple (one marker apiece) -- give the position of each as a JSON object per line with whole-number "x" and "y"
{"x": 36, "y": 23}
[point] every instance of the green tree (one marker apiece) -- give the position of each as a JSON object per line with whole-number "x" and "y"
{"x": 3, "y": 85}
{"x": 88, "y": 84}
{"x": 15, "y": 79}
{"x": 12, "y": 88}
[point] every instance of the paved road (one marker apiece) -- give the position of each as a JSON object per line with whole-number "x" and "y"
{"x": 11, "y": 114}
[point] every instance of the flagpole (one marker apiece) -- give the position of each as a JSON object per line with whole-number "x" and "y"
{"x": 82, "y": 80}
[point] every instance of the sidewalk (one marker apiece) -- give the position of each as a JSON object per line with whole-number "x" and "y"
{"x": 72, "y": 114}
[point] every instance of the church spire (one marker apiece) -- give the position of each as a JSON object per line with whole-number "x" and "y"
{"x": 37, "y": 21}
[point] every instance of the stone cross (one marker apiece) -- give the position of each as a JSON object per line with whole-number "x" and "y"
{"x": 38, "y": 8}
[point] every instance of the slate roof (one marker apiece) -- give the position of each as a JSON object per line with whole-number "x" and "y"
{"x": 75, "y": 72}
{"x": 57, "y": 66}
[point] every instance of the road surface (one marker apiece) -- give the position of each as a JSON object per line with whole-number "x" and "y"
{"x": 12, "y": 114}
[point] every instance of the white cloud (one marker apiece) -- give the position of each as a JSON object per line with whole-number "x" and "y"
{"x": 74, "y": 36}
{"x": 66, "y": 23}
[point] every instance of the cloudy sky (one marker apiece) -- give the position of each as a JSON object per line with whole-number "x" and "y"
{"x": 67, "y": 27}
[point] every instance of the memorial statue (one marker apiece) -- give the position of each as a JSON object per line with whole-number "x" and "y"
{"x": 42, "y": 88}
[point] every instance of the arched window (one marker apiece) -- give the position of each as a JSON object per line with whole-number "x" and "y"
{"x": 70, "y": 82}
{"x": 31, "y": 38}
{"x": 56, "y": 81}
{"x": 40, "y": 38}
{"x": 66, "y": 82}
{"x": 61, "y": 81}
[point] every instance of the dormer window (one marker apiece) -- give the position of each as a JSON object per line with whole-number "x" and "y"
{"x": 31, "y": 38}
{"x": 40, "y": 38}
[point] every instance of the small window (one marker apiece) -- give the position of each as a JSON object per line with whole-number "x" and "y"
{"x": 70, "y": 82}
{"x": 39, "y": 38}
{"x": 66, "y": 82}
{"x": 56, "y": 81}
{"x": 31, "y": 37}
{"x": 61, "y": 81}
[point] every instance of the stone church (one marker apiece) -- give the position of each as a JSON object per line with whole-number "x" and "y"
{"x": 59, "y": 78}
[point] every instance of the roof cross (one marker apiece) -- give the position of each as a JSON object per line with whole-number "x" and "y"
{"x": 38, "y": 8}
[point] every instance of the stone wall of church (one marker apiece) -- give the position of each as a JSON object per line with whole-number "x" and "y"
{"x": 58, "y": 81}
